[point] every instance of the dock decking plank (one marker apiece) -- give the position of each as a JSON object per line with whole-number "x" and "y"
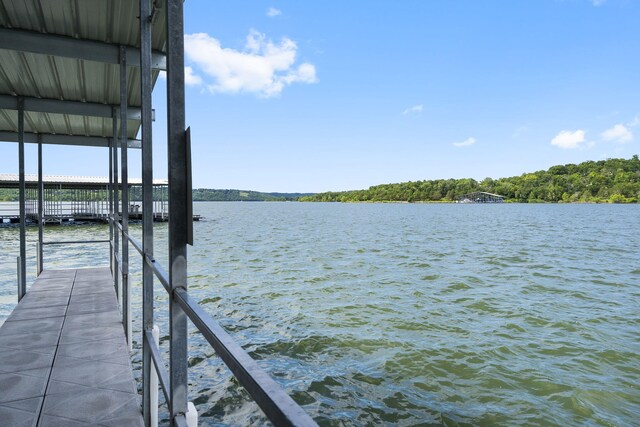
{"x": 63, "y": 356}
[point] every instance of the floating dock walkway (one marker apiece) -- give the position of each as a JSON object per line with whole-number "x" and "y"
{"x": 64, "y": 360}
{"x": 81, "y": 74}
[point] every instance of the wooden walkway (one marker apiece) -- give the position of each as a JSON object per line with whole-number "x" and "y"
{"x": 63, "y": 356}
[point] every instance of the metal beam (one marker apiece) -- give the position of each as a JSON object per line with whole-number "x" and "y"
{"x": 57, "y": 106}
{"x": 116, "y": 208}
{"x": 40, "y": 253}
{"x": 22, "y": 277}
{"x": 124, "y": 167}
{"x": 110, "y": 190}
{"x": 177, "y": 170}
{"x": 69, "y": 47}
{"x": 146, "y": 87}
{"x": 48, "y": 138}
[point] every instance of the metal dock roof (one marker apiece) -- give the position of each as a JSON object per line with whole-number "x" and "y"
{"x": 12, "y": 179}
{"x": 63, "y": 58}
{"x": 81, "y": 72}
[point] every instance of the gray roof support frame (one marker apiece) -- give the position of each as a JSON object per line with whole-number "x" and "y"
{"x": 69, "y": 47}
{"x": 22, "y": 282}
{"x": 149, "y": 398}
{"x": 47, "y": 138}
{"x": 56, "y": 106}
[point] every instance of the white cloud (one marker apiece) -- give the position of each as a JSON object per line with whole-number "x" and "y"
{"x": 568, "y": 139}
{"x": 520, "y": 131}
{"x": 635, "y": 122}
{"x": 416, "y": 109}
{"x": 273, "y": 12}
{"x": 618, "y": 133}
{"x": 597, "y": 2}
{"x": 263, "y": 67}
{"x": 190, "y": 79}
{"x": 466, "y": 143}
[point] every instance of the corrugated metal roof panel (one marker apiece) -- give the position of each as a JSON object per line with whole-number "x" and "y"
{"x": 5, "y": 119}
{"x": 64, "y": 124}
{"x": 78, "y": 125}
{"x": 43, "y": 76}
{"x": 46, "y": 76}
{"x": 114, "y": 21}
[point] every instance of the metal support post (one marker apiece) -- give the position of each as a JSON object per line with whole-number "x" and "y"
{"x": 115, "y": 218}
{"x": 126, "y": 294}
{"x": 38, "y": 258}
{"x": 177, "y": 168}
{"x": 22, "y": 277}
{"x": 153, "y": 383}
{"x": 19, "y": 275}
{"x": 110, "y": 212}
{"x": 149, "y": 388}
{"x": 40, "y": 254}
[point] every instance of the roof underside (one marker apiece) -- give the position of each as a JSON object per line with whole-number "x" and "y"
{"x": 64, "y": 50}
{"x": 9, "y": 180}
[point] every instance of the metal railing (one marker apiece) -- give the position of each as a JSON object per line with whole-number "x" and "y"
{"x": 277, "y": 405}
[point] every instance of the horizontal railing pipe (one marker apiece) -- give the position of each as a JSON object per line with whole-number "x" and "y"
{"x": 277, "y": 405}
{"x": 135, "y": 244}
{"x": 160, "y": 273}
{"x": 73, "y": 242}
{"x": 133, "y": 241}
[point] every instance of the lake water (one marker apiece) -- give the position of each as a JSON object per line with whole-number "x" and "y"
{"x": 406, "y": 314}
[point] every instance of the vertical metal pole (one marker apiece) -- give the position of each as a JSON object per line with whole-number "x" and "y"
{"x": 149, "y": 388}
{"x": 40, "y": 265}
{"x": 116, "y": 246}
{"x": 126, "y": 305}
{"x": 19, "y": 274}
{"x": 177, "y": 204}
{"x": 110, "y": 212}
{"x": 153, "y": 383}
{"x": 22, "y": 284}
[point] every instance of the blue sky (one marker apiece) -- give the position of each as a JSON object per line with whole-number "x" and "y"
{"x": 338, "y": 95}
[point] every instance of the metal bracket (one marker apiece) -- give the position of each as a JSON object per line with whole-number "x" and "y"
{"x": 189, "y": 189}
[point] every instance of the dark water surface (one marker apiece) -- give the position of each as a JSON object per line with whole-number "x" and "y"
{"x": 402, "y": 314}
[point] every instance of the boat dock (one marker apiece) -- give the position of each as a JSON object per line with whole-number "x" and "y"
{"x": 64, "y": 359}
{"x": 81, "y": 74}
{"x": 82, "y": 199}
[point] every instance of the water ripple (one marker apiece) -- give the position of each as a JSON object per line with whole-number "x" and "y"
{"x": 383, "y": 314}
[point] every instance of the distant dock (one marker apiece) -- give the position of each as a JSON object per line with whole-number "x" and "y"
{"x": 78, "y": 199}
{"x": 480, "y": 197}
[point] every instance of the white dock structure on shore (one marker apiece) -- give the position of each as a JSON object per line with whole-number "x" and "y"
{"x": 78, "y": 198}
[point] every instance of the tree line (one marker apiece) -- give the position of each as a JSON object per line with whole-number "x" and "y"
{"x": 208, "y": 194}
{"x": 604, "y": 181}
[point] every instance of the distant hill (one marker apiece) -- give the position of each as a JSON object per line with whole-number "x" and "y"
{"x": 212, "y": 195}
{"x": 604, "y": 181}
{"x": 199, "y": 195}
